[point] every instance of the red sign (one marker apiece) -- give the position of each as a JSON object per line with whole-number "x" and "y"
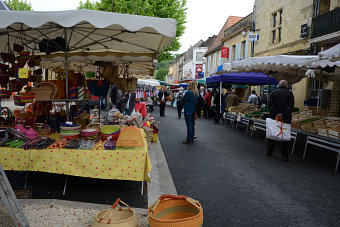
{"x": 225, "y": 52}
{"x": 199, "y": 68}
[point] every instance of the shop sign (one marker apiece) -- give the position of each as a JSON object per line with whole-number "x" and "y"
{"x": 304, "y": 30}
{"x": 220, "y": 68}
{"x": 199, "y": 68}
{"x": 200, "y": 75}
{"x": 253, "y": 36}
{"x": 225, "y": 52}
{"x": 23, "y": 73}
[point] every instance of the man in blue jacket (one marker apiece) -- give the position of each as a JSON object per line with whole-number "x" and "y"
{"x": 189, "y": 102}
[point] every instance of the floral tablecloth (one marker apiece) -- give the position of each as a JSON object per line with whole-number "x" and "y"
{"x": 122, "y": 164}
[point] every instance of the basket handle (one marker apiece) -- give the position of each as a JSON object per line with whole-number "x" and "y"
{"x": 188, "y": 199}
{"x": 113, "y": 207}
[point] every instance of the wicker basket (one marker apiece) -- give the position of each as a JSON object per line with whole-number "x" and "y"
{"x": 5, "y": 94}
{"x": 27, "y": 97}
{"x": 175, "y": 211}
{"x": 122, "y": 217}
{"x": 17, "y": 100}
{"x": 45, "y": 91}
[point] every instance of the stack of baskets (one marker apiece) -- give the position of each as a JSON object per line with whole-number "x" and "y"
{"x": 45, "y": 91}
{"x": 70, "y": 131}
{"x": 23, "y": 58}
{"x": 110, "y": 131}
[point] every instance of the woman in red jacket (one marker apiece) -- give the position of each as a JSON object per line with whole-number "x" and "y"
{"x": 207, "y": 104}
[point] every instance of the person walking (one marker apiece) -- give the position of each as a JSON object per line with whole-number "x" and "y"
{"x": 200, "y": 102}
{"x": 253, "y": 99}
{"x": 162, "y": 95}
{"x": 128, "y": 102}
{"x": 232, "y": 100}
{"x": 189, "y": 101}
{"x": 179, "y": 97}
{"x": 207, "y": 104}
{"x": 280, "y": 104}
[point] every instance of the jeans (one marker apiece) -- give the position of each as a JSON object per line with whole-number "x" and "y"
{"x": 127, "y": 112}
{"x": 189, "y": 120}
{"x": 162, "y": 109}
{"x": 179, "y": 108}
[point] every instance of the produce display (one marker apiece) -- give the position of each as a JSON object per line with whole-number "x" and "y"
{"x": 15, "y": 143}
{"x": 58, "y": 144}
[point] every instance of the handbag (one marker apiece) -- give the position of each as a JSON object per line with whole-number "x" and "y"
{"x": 195, "y": 112}
{"x": 277, "y": 130}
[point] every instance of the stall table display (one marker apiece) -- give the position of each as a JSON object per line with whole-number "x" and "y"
{"x": 130, "y": 163}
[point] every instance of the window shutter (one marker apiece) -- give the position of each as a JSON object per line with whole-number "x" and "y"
{"x": 230, "y": 54}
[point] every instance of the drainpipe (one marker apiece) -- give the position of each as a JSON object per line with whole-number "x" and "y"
{"x": 253, "y": 30}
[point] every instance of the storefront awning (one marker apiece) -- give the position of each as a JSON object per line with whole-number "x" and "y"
{"x": 243, "y": 78}
{"x": 332, "y": 54}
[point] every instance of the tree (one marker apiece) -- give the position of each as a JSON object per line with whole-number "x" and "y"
{"x": 175, "y": 9}
{"x": 20, "y": 5}
{"x": 161, "y": 74}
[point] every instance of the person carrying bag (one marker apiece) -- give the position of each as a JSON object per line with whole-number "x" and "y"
{"x": 278, "y": 128}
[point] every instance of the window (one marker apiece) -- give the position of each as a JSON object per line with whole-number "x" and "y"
{"x": 279, "y": 30}
{"x": 273, "y": 36}
{"x": 276, "y": 32}
{"x": 243, "y": 49}
{"x": 233, "y": 54}
{"x": 199, "y": 56}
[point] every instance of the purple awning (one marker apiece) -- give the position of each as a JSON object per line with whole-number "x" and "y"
{"x": 242, "y": 78}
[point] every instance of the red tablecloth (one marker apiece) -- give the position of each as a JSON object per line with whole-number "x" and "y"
{"x": 141, "y": 107}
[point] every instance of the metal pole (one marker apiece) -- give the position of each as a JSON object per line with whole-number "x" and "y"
{"x": 66, "y": 75}
{"x": 268, "y": 90}
{"x": 317, "y": 106}
{"x": 220, "y": 96}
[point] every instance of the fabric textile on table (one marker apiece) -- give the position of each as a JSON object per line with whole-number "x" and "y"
{"x": 121, "y": 164}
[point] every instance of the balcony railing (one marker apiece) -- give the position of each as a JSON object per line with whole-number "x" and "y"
{"x": 326, "y": 24}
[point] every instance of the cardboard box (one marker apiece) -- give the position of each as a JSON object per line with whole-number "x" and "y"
{"x": 296, "y": 124}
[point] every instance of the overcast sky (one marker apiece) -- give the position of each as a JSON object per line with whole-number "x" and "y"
{"x": 204, "y": 17}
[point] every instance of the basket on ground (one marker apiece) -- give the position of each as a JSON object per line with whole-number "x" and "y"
{"x": 175, "y": 211}
{"x": 121, "y": 217}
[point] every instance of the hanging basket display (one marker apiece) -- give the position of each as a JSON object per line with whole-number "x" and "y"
{"x": 7, "y": 55}
{"x": 17, "y": 100}
{"x": 5, "y": 94}
{"x": 27, "y": 97}
{"x": 15, "y": 85}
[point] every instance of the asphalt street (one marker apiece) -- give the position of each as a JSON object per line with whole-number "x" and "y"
{"x": 238, "y": 185}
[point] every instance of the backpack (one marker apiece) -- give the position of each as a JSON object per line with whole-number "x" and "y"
{"x": 180, "y": 96}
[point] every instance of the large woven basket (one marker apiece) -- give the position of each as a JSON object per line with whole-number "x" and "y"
{"x": 17, "y": 100}
{"x": 45, "y": 91}
{"x": 5, "y": 94}
{"x": 121, "y": 217}
{"x": 175, "y": 211}
{"x": 27, "y": 97}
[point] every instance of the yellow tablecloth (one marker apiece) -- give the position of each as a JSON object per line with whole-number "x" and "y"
{"x": 122, "y": 164}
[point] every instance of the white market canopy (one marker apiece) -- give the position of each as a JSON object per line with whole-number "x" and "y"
{"x": 332, "y": 54}
{"x": 90, "y": 33}
{"x": 284, "y": 67}
{"x": 150, "y": 82}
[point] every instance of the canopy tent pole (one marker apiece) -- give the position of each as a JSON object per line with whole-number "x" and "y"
{"x": 220, "y": 96}
{"x": 66, "y": 75}
{"x": 318, "y": 103}
{"x": 268, "y": 90}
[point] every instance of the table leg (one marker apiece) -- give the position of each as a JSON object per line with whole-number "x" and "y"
{"x": 65, "y": 186}
{"x": 142, "y": 191}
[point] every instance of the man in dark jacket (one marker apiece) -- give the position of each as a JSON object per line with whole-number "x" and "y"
{"x": 128, "y": 102}
{"x": 162, "y": 95}
{"x": 280, "y": 104}
{"x": 200, "y": 102}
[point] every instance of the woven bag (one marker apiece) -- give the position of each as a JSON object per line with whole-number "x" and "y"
{"x": 175, "y": 211}
{"x": 17, "y": 100}
{"x": 5, "y": 94}
{"x": 121, "y": 217}
{"x": 27, "y": 97}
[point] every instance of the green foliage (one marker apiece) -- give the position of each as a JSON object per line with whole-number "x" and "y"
{"x": 175, "y": 9}
{"x": 20, "y": 5}
{"x": 161, "y": 74}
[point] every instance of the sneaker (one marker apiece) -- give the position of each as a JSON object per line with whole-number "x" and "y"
{"x": 188, "y": 142}
{"x": 195, "y": 138}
